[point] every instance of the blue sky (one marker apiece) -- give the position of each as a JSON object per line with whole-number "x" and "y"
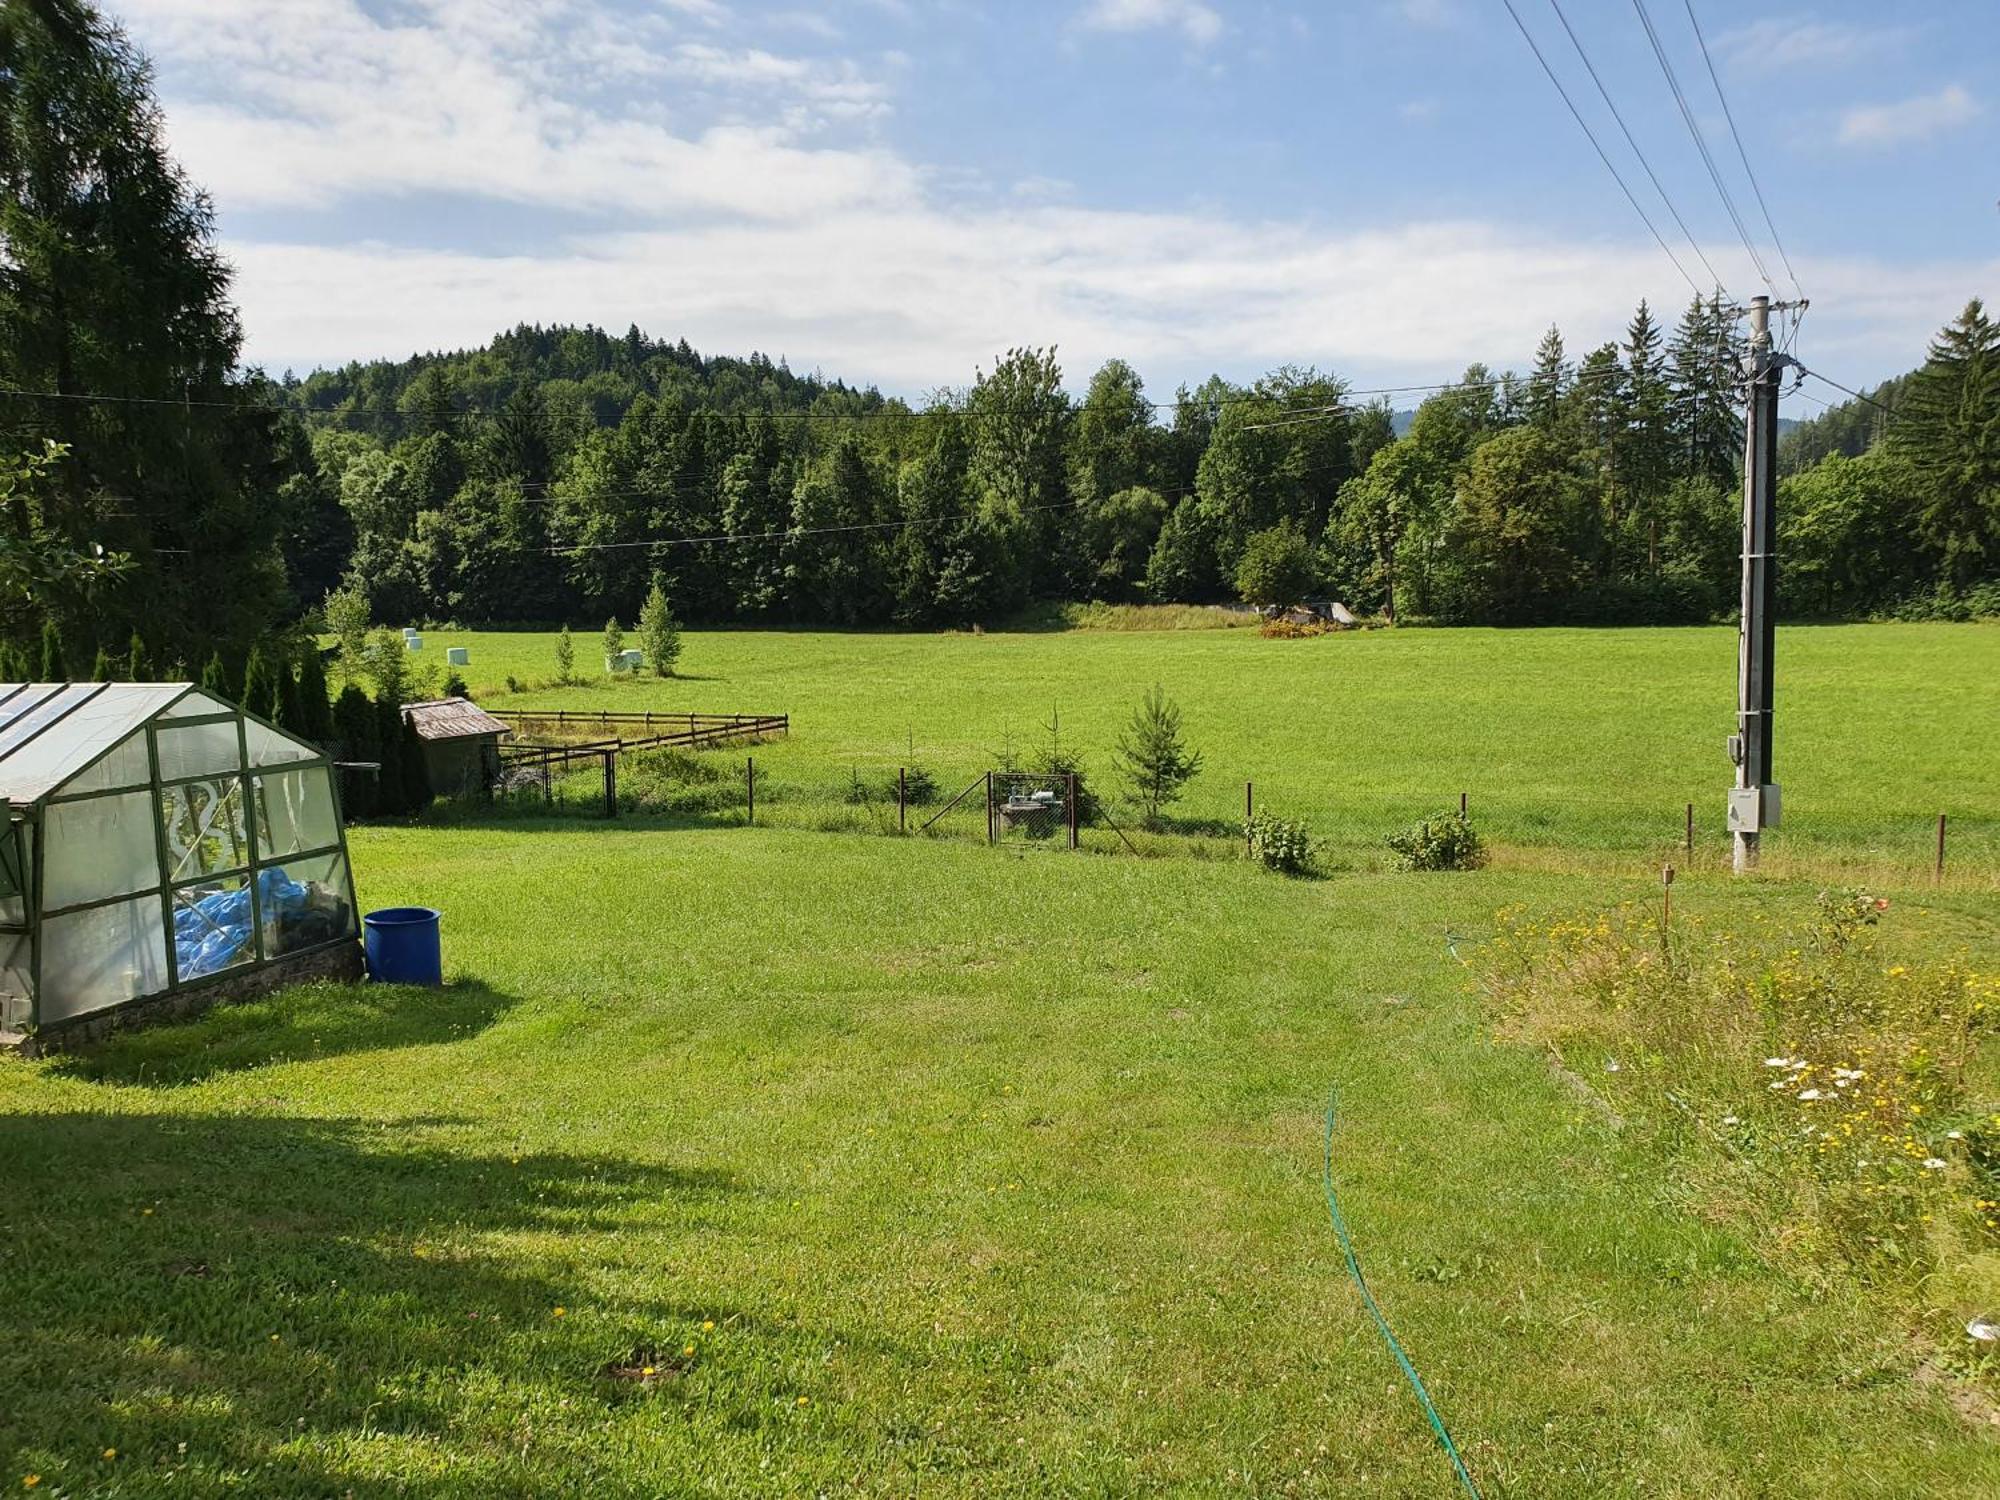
{"x": 895, "y": 190}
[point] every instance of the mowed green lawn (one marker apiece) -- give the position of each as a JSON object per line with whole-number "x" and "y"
{"x": 1562, "y": 738}
{"x": 958, "y": 1172}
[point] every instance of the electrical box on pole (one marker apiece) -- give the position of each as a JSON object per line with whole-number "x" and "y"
{"x": 1754, "y": 800}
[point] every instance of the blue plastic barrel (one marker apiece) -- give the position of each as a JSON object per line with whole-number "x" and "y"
{"x": 402, "y": 945}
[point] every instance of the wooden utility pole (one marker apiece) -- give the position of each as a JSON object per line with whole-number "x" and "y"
{"x": 1754, "y": 802}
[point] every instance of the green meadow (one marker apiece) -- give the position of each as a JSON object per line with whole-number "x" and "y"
{"x": 907, "y": 1169}
{"x": 760, "y": 1161}
{"x": 1562, "y": 739}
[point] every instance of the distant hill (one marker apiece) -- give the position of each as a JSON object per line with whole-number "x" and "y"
{"x": 585, "y": 368}
{"x": 1852, "y": 428}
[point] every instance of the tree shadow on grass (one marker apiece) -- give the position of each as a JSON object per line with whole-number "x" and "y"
{"x": 300, "y": 1024}
{"x": 308, "y": 1306}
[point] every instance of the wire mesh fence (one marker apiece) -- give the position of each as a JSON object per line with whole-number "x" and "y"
{"x": 1348, "y": 825}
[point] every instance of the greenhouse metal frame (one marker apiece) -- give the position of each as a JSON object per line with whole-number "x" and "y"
{"x": 157, "y": 838}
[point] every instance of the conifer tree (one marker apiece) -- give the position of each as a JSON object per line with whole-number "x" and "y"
{"x": 1153, "y": 756}
{"x": 55, "y": 661}
{"x": 357, "y": 737}
{"x": 1948, "y": 429}
{"x": 315, "y": 710}
{"x": 101, "y": 670}
{"x": 260, "y": 685}
{"x": 1549, "y": 382}
{"x": 135, "y": 660}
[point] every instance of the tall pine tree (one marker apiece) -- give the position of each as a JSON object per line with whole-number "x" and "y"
{"x": 1948, "y": 429}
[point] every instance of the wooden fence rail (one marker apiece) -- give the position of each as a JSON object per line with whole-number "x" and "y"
{"x": 701, "y": 731}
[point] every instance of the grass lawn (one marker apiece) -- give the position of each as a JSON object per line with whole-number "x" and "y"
{"x": 957, "y": 1171}
{"x": 1573, "y": 739}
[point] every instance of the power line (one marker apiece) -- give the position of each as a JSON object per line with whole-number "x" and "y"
{"x": 1584, "y": 126}
{"x": 1701, "y": 144}
{"x": 1590, "y": 68}
{"x": 1848, "y": 390}
{"x": 1744, "y": 155}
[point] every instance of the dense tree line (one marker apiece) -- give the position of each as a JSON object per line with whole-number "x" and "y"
{"x": 149, "y": 489}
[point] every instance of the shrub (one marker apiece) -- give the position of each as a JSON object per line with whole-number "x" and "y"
{"x": 1277, "y": 566}
{"x": 565, "y": 658}
{"x": 1280, "y": 844}
{"x": 614, "y": 642}
{"x": 659, "y": 632}
{"x": 1297, "y": 630}
{"x": 1446, "y": 841}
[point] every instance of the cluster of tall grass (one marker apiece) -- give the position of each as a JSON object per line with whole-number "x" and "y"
{"x": 1825, "y": 1093}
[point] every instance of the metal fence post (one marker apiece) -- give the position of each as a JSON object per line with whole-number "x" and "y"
{"x": 1072, "y": 809}
{"x": 750, "y": 788}
{"x": 611, "y": 783}
{"x": 1940, "y": 848}
{"x": 991, "y": 827}
{"x": 902, "y": 799}
{"x": 1690, "y": 830}
{"x": 1249, "y": 814}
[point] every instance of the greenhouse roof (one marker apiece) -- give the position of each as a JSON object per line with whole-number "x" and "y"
{"x": 49, "y": 731}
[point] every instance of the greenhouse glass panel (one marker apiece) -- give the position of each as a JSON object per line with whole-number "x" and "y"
{"x": 295, "y": 812}
{"x": 304, "y": 903}
{"x": 125, "y": 766}
{"x": 205, "y": 827}
{"x": 17, "y": 951}
{"x": 14, "y": 857}
{"x": 269, "y": 748}
{"x": 194, "y": 705}
{"x": 213, "y": 927}
{"x": 20, "y": 730}
{"x": 102, "y": 957}
{"x": 101, "y": 846}
{"x": 198, "y": 750}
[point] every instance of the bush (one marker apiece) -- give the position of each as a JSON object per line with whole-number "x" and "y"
{"x": 1280, "y": 844}
{"x": 1447, "y": 841}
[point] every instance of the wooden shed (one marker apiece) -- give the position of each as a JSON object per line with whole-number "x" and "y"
{"x": 461, "y": 744}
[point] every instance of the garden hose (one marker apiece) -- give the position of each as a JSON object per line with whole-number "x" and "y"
{"x": 1375, "y": 1312}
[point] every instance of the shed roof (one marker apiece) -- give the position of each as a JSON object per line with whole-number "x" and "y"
{"x": 49, "y": 731}
{"x": 451, "y": 719}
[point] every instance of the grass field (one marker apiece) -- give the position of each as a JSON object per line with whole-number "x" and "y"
{"x": 1574, "y": 739}
{"x": 958, "y": 1172}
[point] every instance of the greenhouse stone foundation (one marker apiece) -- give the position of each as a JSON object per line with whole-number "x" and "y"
{"x": 338, "y": 963}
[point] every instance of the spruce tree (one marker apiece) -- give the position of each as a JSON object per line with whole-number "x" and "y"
{"x": 1549, "y": 382}
{"x": 1948, "y": 429}
{"x": 135, "y": 660}
{"x": 101, "y": 670}
{"x": 260, "y": 685}
{"x": 357, "y": 738}
{"x": 315, "y": 711}
{"x": 111, "y": 281}
{"x": 55, "y": 661}
{"x": 390, "y": 786}
{"x": 290, "y": 708}
{"x": 416, "y": 786}
{"x": 565, "y": 658}
{"x": 215, "y": 677}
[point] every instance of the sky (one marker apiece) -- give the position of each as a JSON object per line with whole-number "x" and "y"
{"x": 897, "y": 191}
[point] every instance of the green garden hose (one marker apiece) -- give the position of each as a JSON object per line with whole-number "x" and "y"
{"x": 1375, "y": 1312}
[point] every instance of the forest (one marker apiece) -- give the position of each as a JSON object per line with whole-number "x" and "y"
{"x": 163, "y": 505}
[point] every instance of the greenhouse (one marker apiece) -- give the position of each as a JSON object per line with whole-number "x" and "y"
{"x": 156, "y": 839}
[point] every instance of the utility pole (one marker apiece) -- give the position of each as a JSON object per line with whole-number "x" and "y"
{"x": 1754, "y": 801}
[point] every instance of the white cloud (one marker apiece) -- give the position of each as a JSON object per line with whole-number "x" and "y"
{"x": 1199, "y": 23}
{"x": 917, "y": 297}
{"x": 752, "y": 208}
{"x": 1434, "y": 14}
{"x": 1797, "y": 41}
{"x": 1915, "y": 119}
